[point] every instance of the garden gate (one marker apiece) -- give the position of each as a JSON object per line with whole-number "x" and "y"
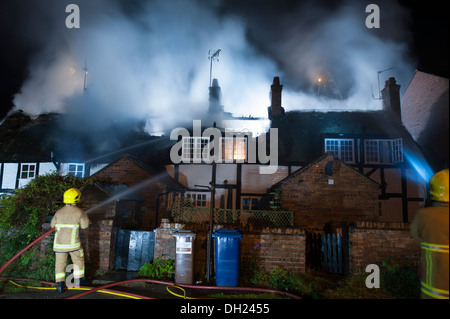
{"x": 328, "y": 252}
{"x": 133, "y": 248}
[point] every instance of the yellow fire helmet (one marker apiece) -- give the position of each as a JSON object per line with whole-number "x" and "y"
{"x": 72, "y": 196}
{"x": 439, "y": 186}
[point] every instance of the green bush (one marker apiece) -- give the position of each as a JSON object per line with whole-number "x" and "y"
{"x": 21, "y": 217}
{"x": 158, "y": 269}
{"x": 401, "y": 281}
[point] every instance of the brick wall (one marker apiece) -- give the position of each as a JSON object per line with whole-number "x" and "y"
{"x": 98, "y": 245}
{"x": 315, "y": 201}
{"x": 126, "y": 171}
{"x": 98, "y": 238}
{"x": 275, "y": 247}
{"x": 272, "y": 246}
{"x": 373, "y": 242}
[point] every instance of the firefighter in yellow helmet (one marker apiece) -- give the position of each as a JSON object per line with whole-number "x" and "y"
{"x": 430, "y": 229}
{"x": 68, "y": 220}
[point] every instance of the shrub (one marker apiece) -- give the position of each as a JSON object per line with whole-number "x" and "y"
{"x": 158, "y": 269}
{"x": 21, "y": 217}
{"x": 401, "y": 281}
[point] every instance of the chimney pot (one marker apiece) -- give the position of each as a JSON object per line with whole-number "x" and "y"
{"x": 276, "y": 80}
{"x": 276, "y": 111}
{"x": 391, "y": 97}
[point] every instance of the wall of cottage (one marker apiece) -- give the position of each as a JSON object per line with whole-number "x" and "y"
{"x": 273, "y": 247}
{"x": 369, "y": 243}
{"x": 375, "y": 242}
{"x": 125, "y": 171}
{"x": 317, "y": 199}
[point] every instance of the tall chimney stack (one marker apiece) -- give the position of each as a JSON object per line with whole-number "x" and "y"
{"x": 391, "y": 97}
{"x": 276, "y": 111}
{"x": 215, "y": 98}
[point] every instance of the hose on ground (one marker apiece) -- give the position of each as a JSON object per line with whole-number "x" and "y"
{"x": 25, "y": 249}
{"x": 106, "y": 291}
{"x": 104, "y": 287}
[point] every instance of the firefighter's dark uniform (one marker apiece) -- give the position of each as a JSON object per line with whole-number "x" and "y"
{"x": 430, "y": 229}
{"x": 68, "y": 221}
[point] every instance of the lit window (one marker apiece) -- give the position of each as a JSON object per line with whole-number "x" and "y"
{"x": 197, "y": 199}
{"x": 28, "y": 171}
{"x": 195, "y": 148}
{"x": 76, "y": 170}
{"x": 341, "y": 148}
{"x": 383, "y": 151}
{"x": 234, "y": 149}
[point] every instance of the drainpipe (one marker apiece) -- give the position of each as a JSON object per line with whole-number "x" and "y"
{"x": 57, "y": 165}
{"x": 157, "y": 206}
{"x": 211, "y": 225}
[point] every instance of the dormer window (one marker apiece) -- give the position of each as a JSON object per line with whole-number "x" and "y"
{"x": 194, "y": 149}
{"x": 343, "y": 149}
{"x": 383, "y": 151}
{"x": 234, "y": 149}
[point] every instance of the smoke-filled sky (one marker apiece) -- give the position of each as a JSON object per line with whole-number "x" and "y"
{"x": 149, "y": 59}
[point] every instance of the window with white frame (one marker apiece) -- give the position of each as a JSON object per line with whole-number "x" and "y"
{"x": 234, "y": 148}
{"x": 397, "y": 150}
{"x": 195, "y": 148}
{"x": 27, "y": 171}
{"x": 76, "y": 169}
{"x": 383, "y": 151}
{"x": 250, "y": 203}
{"x": 198, "y": 199}
{"x": 343, "y": 149}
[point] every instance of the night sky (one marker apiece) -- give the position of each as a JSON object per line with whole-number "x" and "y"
{"x": 264, "y": 29}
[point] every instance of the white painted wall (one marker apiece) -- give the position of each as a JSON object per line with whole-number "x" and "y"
{"x": 10, "y": 175}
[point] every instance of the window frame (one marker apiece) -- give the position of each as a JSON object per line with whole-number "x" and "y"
{"x": 77, "y": 165}
{"x": 233, "y": 149}
{"x": 198, "y": 199}
{"x": 373, "y": 154}
{"x": 339, "y": 149}
{"x": 251, "y": 205}
{"x": 29, "y": 173}
{"x": 193, "y": 148}
{"x": 238, "y": 148}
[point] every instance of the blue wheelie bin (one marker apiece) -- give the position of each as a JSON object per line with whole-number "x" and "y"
{"x": 227, "y": 246}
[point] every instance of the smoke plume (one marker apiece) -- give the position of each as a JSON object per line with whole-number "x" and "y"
{"x": 149, "y": 59}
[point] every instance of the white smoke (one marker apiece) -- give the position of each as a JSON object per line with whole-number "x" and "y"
{"x": 149, "y": 59}
{"x": 338, "y": 42}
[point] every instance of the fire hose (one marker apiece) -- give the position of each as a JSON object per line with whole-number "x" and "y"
{"x": 25, "y": 249}
{"x": 129, "y": 295}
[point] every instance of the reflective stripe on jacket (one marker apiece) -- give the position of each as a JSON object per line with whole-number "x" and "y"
{"x": 68, "y": 221}
{"x": 63, "y": 230}
{"x": 430, "y": 228}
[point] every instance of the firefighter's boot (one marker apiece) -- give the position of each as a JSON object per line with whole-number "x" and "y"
{"x": 60, "y": 287}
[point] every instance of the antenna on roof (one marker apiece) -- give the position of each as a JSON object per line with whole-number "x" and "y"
{"x": 213, "y": 56}
{"x": 379, "y": 88}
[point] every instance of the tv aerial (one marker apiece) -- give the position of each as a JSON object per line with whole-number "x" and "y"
{"x": 379, "y": 88}
{"x": 213, "y": 56}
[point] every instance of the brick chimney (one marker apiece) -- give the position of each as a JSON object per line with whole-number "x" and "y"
{"x": 276, "y": 111}
{"x": 391, "y": 97}
{"x": 215, "y": 98}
